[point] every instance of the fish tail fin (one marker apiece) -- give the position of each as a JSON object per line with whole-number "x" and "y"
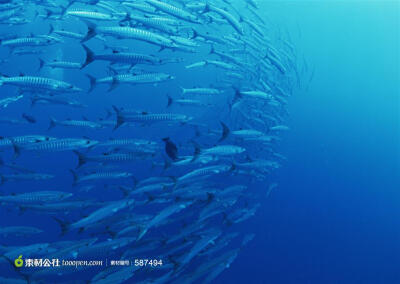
{"x": 183, "y": 91}
{"x": 125, "y": 190}
{"x": 21, "y": 209}
{"x": 81, "y": 159}
{"x": 225, "y": 132}
{"x": 150, "y": 197}
{"x": 170, "y": 101}
{"x": 114, "y": 84}
{"x": 193, "y": 34}
{"x": 91, "y": 31}
{"x": 64, "y": 9}
{"x": 74, "y": 176}
{"x": 127, "y": 18}
{"x": 111, "y": 233}
{"x": 16, "y": 148}
{"x": 120, "y": 118}
{"x": 64, "y": 226}
{"x": 238, "y": 95}
{"x": 174, "y": 262}
{"x": 174, "y": 180}
{"x": 89, "y": 56}
{"x": 69, "y": 4}
{"x": 197, "y": 150}
{"x": 48, "y": 14}
{"x": 236, "y": 98}
{"x": 41, "y": 64}
{"x": 206, "y": 9}
{"x": 51, "y": 29}
{"x": 52, "y": 123}
{"x": 212, "y": 50}
{"x": 92, "y": 81}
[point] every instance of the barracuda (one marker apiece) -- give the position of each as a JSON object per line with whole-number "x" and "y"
{"x": 174, "y": 11}
{"x": 99, "y": 176}
{"x": 204, "y": 172}
{"x": 120, "y": 57}
{"x": 75, "y": 123}
{"x": 106, "y": 211}
{"x": 56, "y": 100}
{"x": 154, "y": 23}
{"x": 21, "y": 140}
{"x": 114, "y": 81}
{"x": 201, "y": 91}
{"x": 148, "y": 118}
{"x": 42, "y": 83}
{"x": 92, "y": 15}
{"x": 109, "y": 158}
{"x": 175, "y": 208}
{"x": 227, "y": 16}
{"x": 55, "y": 145}
{"x": 138, "y": 34}
{"x": 36, "y": 197}
{"x": 30, "y": 41}
{"x": 61, "y": 64}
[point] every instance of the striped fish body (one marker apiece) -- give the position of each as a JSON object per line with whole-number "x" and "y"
{"x": 36, "y": 197}
{"x": 132, "y": 58}
{"x": 43, "y": 83}
{"x": 174, "y": 11}
{"x": 138, "y": 34}
{"x": 60, "y": 145}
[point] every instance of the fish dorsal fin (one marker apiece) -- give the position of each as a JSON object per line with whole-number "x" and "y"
{"x": 114, "y": 84}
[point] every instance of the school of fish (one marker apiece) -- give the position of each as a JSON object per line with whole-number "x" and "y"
{"x": 141, "y": 130}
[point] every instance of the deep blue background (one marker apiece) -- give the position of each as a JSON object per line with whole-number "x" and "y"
{"x": 336, "y": 215}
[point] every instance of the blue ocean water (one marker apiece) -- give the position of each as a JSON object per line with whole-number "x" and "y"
{"x": 334, "y": 216}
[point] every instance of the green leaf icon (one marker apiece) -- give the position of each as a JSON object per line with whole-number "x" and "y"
{"x": 19, "y": 262}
